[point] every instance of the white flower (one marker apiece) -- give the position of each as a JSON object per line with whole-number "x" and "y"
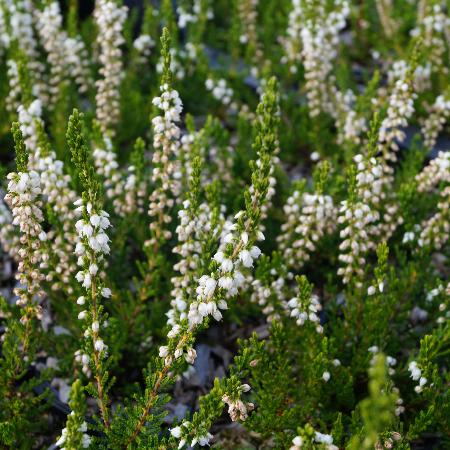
{"x": 246, "y": 258}
{"x": 326, "y": 376}
{"x": 99, "y": 345}
{"x": 106, "y": 292}
{"x": 175, "y": 432}
{"x": 163, "y": 351}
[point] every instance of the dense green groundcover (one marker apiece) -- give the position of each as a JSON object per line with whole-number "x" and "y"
{"x": 189, "y": 173}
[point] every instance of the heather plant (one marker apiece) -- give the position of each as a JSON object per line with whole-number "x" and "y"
{"x": 266, "y": 182}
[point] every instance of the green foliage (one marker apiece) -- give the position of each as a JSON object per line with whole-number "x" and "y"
{"x": 286, "y": 140}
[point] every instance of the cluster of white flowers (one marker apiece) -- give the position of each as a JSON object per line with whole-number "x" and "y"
{"x": 83, "y": 358}
{"x": 291, "y": 43}
{"x": 24, "y": 189}
{"x": 237, "y": 408}
{"x": 49, "y": 23}
{"x": 21, "y": 25}
{"x": 185, "y": 17}
{"x": 357, "y": 218}
{"x": 443, "y": 293}
{"x": 367, "y": 219}
{"x": 110, "y": 19}
{"x": 433, "y": 28}
{"x": 319, "y": 438}
{"x": 28, "y": 116}
{"x": 272, "y": 293}
{"x": 180, "y": 432}
{"x": 308, "y": 218}
{"x": 55, "y": 185}
{"x": 220, "y": 91}
{"x": 416, "y": 375}
{"x": 400, "y": 110}
{"x": 308, "y": 310}
{"x": 436, "y": 230}
{"x": 4, "y": 36}
{"x": 133, "y": 192}
{"x": 193, "y": 228}
{"x": 437, "y": 171}
{"x": 438, "y": 114}
{"x": 236, "y": 253}
{"x": 86, "y": 439}
{"x": 77, "y": 60}
{"x": 9, "y": 238}
{"x": 105, "y": 160}
{"x": 350, "y": 126}
{"x": 57, "y": 192}
{"x": 320, "y": 39}
{"x": 166, "y": 173}
{"x": 13, "y": 96}
{"x": 144, "y": 45}
{"x": 90, "y": 250}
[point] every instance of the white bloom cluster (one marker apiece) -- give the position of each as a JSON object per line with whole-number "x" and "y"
{"x": 86, "y": 439}
{"x": 13, "y": 97}
{"x": 21, "y": 25}
{"x": 57, "y": 192}
{"x": 28, "y": 116}
{"x": 110, "y": 19}
{"x": 67, "y": 56}
{"x": 436, "y": 230}
{"x": 237, "y": 408}
{"x": 354, "y": 246}
{"x": 320, "y": 39}
{"x": 166, "y": 173}
{"x": 269, "y": 295}
{"x": 291, "y": 43}
{"x": 400, "y": 110}
{"x": 308, "y": 310}
{"x": 9, "y": 238}
{"x": 349, "y": 124}
{"x": 308, "y": 218}
{"x": 49, "y": 23}
{"x": 319, "y": 438}
{"x": 90, "y": 250}
{"x": 144, "y": 45}
{"x": 82, "y": 358}
{"x": 185, "y": 17}
{"x": 220, "y": 91}
{"x": 438, "y": 114}
{"x": 4, "y": 36}
{"x": 192, "y": 230}
{"x": 133, "y": 191}
{"x": 105, "y": 160}
{"x": 24, "y": 189}
{"x": 436, "y": 172}
{"x": 433, "y": 28}
{"x": 77, "y": 60}
{"x": 416, "y": 375}
{"x": 180, "y": 432}
{"x": 367, "y": 219}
